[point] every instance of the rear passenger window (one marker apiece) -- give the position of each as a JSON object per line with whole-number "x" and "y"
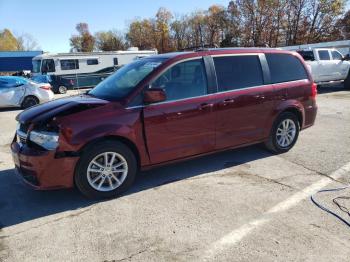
{"x": 92, "y": 62}
{"x": 235, "y": 72}
{"x": 324, "y": 55}
{"x": 284, "y": 68}
{"x": 69, "y": 64}
{"x": 183, "y": 80}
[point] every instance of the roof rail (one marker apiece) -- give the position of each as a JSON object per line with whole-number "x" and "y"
{"x": 198, "y": 48}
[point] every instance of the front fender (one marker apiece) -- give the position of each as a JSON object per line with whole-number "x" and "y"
{"x": 78, "y": 130}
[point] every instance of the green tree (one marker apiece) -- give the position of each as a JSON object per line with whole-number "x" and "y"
{"x": 7, "y": 41}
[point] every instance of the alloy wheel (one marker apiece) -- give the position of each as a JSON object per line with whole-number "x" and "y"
{"x": 286, "y": 132}
{"x": 107, "y": 171}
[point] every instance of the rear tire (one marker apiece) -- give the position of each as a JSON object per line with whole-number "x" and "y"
{"x": 284, "y": 133}
{"x": 62, "y": 90}
{"x": 29, "y": 101}
{"x": 112, "y": 176}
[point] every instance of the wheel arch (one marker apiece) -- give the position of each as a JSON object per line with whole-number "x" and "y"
{"x": 295, "y": 111}
{"x": 121, "y": 139}
{"x": 30, "y": 95}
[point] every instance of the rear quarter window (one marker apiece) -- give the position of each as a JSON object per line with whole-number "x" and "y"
{"x": 92, "y": 62}
{"x": 307, "y": 55}
{"x": 235, "y": 72}
{"x": 285, "y": 68}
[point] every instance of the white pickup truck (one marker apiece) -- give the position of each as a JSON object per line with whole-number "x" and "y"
{"x": 327, "y": 65}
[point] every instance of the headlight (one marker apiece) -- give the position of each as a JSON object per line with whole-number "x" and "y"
{"x": 48, "y": 140}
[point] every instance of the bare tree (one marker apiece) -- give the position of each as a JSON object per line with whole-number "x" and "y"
{"x": 26, "y": 42}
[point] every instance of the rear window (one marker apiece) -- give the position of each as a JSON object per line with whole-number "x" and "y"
{"x": 285, "y": 67}
{"x": 307, "y": 55}
{"x": 69, "y": 64}
{"x": 324, "y": 55}
{"x": 235, "y": 72}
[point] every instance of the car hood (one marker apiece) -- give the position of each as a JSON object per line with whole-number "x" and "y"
{"x": 59, "y": 107}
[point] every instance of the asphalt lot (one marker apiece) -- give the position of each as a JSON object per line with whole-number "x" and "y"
{"x": 240, "y": 205}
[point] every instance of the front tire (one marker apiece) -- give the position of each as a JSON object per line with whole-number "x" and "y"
{"x": 105, "y": 170}
{"x": 284, "y": 133}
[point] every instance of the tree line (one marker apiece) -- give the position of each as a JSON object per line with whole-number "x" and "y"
{"x": 243, "y": 23}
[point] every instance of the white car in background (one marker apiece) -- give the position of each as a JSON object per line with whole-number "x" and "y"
{"x": 21, "y": 92}
{"x": 327, "y": 65}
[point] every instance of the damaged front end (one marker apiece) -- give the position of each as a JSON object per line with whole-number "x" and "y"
{"x": 39, "y": 147}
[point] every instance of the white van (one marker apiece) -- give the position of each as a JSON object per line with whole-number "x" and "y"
{"x": 83, "y": 70}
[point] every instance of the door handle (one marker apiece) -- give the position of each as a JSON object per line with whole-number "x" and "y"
{"x": 205, "y": 106}
{"x": 227, "y": 101}
{"x": 261, "y": 97}
{"x": 176, "y": 115}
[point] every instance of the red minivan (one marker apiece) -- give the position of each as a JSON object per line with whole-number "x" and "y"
{"x": 162, "y": 109}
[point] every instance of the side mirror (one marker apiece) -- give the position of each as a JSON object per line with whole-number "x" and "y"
{"x": 154, "y": 95}
{"x": 346, "y": 57}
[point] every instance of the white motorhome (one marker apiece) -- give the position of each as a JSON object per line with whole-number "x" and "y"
{"x": 82, "y": 70}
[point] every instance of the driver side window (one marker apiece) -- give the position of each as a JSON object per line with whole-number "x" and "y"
{"x": 336, "y": 55}
{"x": 183, "y": 80}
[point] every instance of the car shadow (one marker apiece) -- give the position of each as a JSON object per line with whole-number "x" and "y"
{"x": 20, "y": 203}
{"x": 330, "y": 88}
{"x": 8, "y": 109}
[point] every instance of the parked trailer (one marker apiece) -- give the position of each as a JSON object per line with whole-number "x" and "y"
{"x": 83, "y": 70}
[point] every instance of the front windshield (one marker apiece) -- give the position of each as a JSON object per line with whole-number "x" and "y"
{"x": 125, "y": 79}
{"x": 36, "y": 66}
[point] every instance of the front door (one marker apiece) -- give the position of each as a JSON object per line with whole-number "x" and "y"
{"x": 340, "y": 67}
{"x": 183, "y": 125}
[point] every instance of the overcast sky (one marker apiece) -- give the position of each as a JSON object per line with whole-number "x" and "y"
{"x": 52, "y": 22}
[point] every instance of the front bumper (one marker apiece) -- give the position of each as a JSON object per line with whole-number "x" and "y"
{"x": 42, "y": 169}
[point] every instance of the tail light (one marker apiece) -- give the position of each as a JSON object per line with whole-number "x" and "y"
{"x": 46, "y": 87}
{"x": 313, "y": 90}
